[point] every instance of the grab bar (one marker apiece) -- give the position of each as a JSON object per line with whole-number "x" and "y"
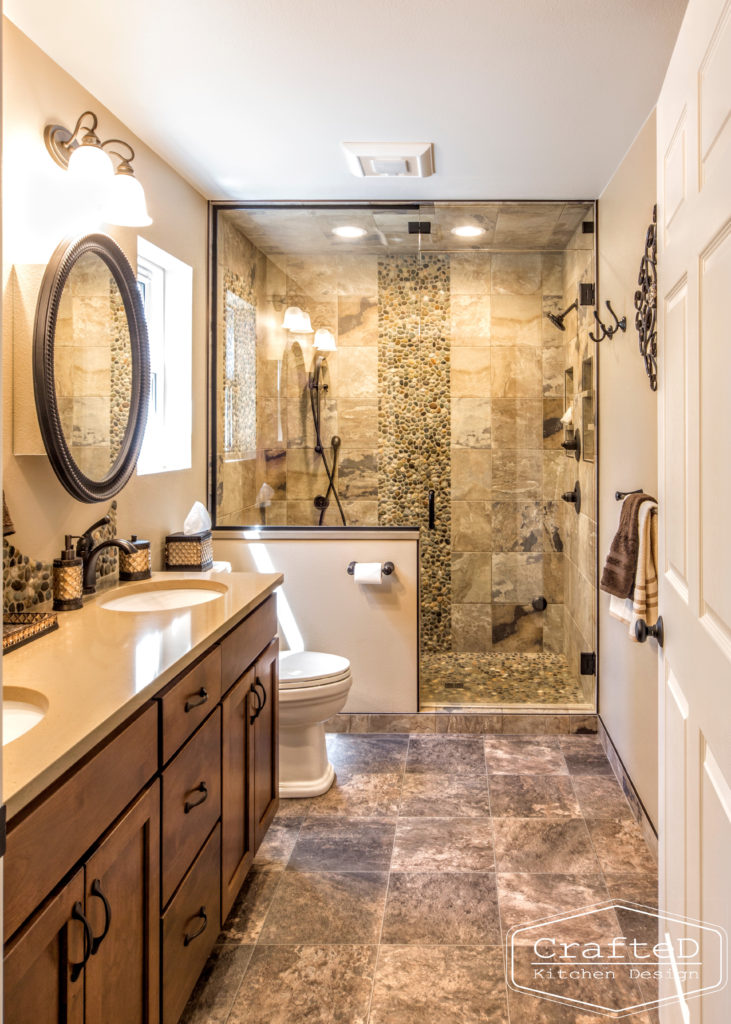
{"x": 432, "y": 512}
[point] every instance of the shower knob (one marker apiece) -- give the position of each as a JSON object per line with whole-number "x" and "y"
{"x": 573, "y": 497}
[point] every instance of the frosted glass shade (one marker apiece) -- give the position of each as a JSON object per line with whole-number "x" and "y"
{"x": 324, "y": 340}
{"x": 297, "y": 321}
{"x": 89, "y": 163}
{"x": 127, "y": 206}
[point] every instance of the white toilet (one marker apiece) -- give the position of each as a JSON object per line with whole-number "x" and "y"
{"x": 312, "y": 688}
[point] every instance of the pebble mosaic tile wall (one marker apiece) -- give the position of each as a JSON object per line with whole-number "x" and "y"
{"x": 121, "y": 371}
{"x": 27, "y": 583}
{"x": 413, "y": 421}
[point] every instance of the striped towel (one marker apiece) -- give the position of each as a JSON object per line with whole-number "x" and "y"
{"x": 643, "y": 602}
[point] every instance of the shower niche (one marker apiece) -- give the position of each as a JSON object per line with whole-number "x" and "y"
{"x": 373, "y": 367}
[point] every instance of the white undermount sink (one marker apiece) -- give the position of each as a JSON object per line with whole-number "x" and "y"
{"x": 164, "y": 596}
{"x": 22, "y": 709}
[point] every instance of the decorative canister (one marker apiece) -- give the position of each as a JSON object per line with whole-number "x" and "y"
{"x": 137, "y": 566}
{"x": 189, "y": 552}
{"x": 68, "y": 579}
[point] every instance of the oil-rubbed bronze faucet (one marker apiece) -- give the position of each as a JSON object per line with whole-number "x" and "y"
{"x": 89, "y": 553}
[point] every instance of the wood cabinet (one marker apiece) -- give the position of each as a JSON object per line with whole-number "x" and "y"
{"x": 237, "y": 841}
{"x": 40, "y": 983}
{"x": 191, "y": 801}
{"x": 91, "y": 952}
{"x": 190, "y": 926}
{"x": 118, "y": 878}
{"x": 264, "y": 743}
{"x": 250, "y": 759}
{"x": 123, "y": 910}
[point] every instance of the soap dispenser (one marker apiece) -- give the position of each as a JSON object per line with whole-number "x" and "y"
{"x": 68, "y": 579}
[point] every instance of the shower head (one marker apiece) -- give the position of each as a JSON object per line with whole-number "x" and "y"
{"x": 557, "y": 319}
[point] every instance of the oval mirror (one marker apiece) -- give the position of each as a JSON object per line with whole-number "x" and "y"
{"x": 91, "y": 366}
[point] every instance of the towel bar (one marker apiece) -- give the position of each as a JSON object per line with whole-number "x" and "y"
{"x": 621, "y": 495}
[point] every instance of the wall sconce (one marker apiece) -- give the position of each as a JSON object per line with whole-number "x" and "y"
{"x": 90, "y": 161}
{"x": 297, "y": 321}
{"x": 324, "y": 340}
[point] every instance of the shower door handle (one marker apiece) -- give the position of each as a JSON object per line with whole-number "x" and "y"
{"x": 432, "y": 513}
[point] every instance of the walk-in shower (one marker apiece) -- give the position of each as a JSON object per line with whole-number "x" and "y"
{"x": 457, "y": 395}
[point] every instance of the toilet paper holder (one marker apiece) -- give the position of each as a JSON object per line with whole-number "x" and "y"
{"x": 386, "y": 569}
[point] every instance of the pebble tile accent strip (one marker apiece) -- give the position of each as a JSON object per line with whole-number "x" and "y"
{"x": 27, "y": 583}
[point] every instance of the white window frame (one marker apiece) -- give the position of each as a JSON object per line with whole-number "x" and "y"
{"x": 166, "y": 284}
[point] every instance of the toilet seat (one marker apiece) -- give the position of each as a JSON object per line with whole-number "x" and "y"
{"x": 304, "y": 669}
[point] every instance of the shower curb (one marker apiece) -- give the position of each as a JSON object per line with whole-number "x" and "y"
{"x": 527, "y": 723}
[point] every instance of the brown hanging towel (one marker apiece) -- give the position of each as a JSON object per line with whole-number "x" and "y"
{"x": 621, "y": 565}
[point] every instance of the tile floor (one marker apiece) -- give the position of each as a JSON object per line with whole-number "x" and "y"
{"x": 541, "y": 679}
{"x": 387, "y": 900}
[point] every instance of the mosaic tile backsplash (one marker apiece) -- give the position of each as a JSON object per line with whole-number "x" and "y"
{"x": 27, "y": 583}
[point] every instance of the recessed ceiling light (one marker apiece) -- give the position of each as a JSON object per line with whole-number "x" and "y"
{"x": 349, "y": 231}
{"x": 468, "y": 231}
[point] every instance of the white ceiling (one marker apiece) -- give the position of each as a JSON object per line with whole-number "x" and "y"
{"x": 523, "y": 99}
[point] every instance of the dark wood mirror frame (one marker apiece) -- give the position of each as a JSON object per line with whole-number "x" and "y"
{"x": 68, "y": 472}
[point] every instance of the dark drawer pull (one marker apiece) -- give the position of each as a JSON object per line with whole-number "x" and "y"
{"x": 190, "y": 804}
{"x": 202, "y": 697}
{"x": 188, "y": 938}
{"x": 78, "y": 915}
{"x": 96, "y": 890}
{"x": 255, "y": 693}
{"x": 263, "y": 703}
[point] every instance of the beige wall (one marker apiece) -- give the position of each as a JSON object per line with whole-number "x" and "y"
{"x": 38, "y": 212}
{"x": 628, "y": 458}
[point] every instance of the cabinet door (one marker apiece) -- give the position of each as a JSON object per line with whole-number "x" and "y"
{"x": 40, "y": 983}
{"x": 264, "y": 762}
{"x": 236, "y": 814}
{"x": 122, "y": 905}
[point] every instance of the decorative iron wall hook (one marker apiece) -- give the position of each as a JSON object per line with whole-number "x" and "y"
{"x": 646, "y": 303}
{"x": 609, "y": 332}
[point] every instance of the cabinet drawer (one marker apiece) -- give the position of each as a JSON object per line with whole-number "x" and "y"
{"x": 55, "y": 834}
{"x": 191, "y": 801}
{"x": 245, "y": 643}
{"x": 185, "y": 705}
{"x": 190, "y": 927}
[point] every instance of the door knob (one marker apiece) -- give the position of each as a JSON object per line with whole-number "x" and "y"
{"x": 642, "y": 631}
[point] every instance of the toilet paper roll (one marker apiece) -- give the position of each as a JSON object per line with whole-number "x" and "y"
{"x": 368, "y": 572}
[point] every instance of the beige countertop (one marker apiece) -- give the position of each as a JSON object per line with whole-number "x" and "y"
{"x": 100, "y": 665}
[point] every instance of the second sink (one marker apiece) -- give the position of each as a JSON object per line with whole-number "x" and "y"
{"x": 165, "y": 595}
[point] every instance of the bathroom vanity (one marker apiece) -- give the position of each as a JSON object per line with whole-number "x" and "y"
{"x": 129, "y": 839}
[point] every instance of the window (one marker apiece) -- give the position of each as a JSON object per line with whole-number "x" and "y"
{"x": 166, "y": 286}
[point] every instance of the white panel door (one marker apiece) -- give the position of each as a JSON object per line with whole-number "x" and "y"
{"x": 694, "y": 395}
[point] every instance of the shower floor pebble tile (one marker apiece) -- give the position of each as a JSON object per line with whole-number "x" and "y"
{"x": 483, "y": 678}
{"x": 388, "y": 899}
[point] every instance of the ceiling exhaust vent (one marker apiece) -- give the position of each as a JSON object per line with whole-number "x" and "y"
{"x": 390, "y": 159}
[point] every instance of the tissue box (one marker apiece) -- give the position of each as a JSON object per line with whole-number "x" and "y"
{"x": 189, "y": 552}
